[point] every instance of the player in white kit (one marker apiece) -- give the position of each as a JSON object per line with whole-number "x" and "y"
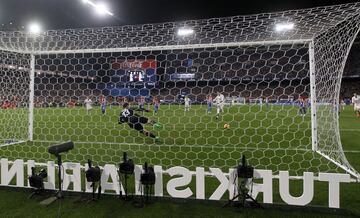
{"x": 219, "y": 101}
{"x": 261, "y": 102}
{"x": 356, "y": 102}
{"x": 187, "y": 103}
{"x": 88, "y": 104}
{"x": 267, "y": 102}
{"x": 343, "y": 104}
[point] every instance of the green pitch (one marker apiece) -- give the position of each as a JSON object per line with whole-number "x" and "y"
{"x": 273, "y": 138}
{"x": 189, "y": 139}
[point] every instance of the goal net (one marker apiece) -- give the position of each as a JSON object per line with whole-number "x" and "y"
{"x": 273, "y": 78}
{"x": 14, "y": 97}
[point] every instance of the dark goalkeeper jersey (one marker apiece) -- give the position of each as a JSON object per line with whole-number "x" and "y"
{"x": 128, "y": 115}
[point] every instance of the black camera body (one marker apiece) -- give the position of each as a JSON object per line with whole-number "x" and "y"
{"x": 93, "y": 174}
{"x": 148, "y": 176}
{"x": 245, "y": 171}
{"x": 127, "y": 167}
{"x": 36, "y": 180}
{"x": 60, "y": 148}
{"x": 123, "y": 120}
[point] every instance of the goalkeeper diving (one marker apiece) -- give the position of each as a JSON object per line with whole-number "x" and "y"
{"x": 136, "y": 121}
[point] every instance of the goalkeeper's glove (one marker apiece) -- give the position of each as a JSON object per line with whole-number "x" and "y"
{"x": 122, "y": 120}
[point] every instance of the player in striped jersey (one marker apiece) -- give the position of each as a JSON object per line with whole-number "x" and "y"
{"x": 209, "y": 101}
{"x": 103, "y": 104}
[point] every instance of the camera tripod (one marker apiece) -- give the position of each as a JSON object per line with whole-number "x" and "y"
{"x": 125, "y": 197}
{"x": 59, "y": 194}
{"x": 147, "y": 180}
{"x": 93, "y": 186}
{"x": 36, "y": 192}
{"x": 126, "y": 169}
{"x": 145, "y": 197}
{"x": 244, "y": 198}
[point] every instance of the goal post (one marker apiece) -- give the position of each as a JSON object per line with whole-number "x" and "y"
{"x": 31, "y": 97}
{"x": 314, "y": 134}
{"x": 331, "y": 49}
{"x": 14, "y": 82}
{"x": 260, "y": 49}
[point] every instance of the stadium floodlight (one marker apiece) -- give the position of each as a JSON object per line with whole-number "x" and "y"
{"x": 185, "y": 31}
{"x": 281, "y": 27}
{"x": 102, "y": 9}
{"x": 34, "y": 28}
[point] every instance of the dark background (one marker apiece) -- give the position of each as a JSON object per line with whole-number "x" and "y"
{"x": 63, "y": 14}
{"x": 59, "y": 14}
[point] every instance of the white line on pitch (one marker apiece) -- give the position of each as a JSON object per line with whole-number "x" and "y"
{"x": 183, "y": 126}
{"x": 199, "y": 146}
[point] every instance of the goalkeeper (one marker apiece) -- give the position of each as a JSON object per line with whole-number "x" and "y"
{"x": 136, "y": 121}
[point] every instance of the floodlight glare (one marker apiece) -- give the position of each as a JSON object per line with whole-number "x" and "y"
{"x": 185, "y": 32}
{"x": 281, "y": 27}
{"x": 34, "y": 28}
{"x": 102, "y": 9}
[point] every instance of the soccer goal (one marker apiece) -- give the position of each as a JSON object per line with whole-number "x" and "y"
{"x": 234, "y": 70}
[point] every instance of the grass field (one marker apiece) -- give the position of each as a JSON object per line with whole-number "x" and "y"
{"x": 274, "y": 138}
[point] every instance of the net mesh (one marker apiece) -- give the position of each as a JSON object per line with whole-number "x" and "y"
{"x": 263, "y": 73}
{"x": 331, "y": 51}
{"x": 14, "y": 93}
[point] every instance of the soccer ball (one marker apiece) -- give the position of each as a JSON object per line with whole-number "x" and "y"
{"x": 226, "y": 126}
